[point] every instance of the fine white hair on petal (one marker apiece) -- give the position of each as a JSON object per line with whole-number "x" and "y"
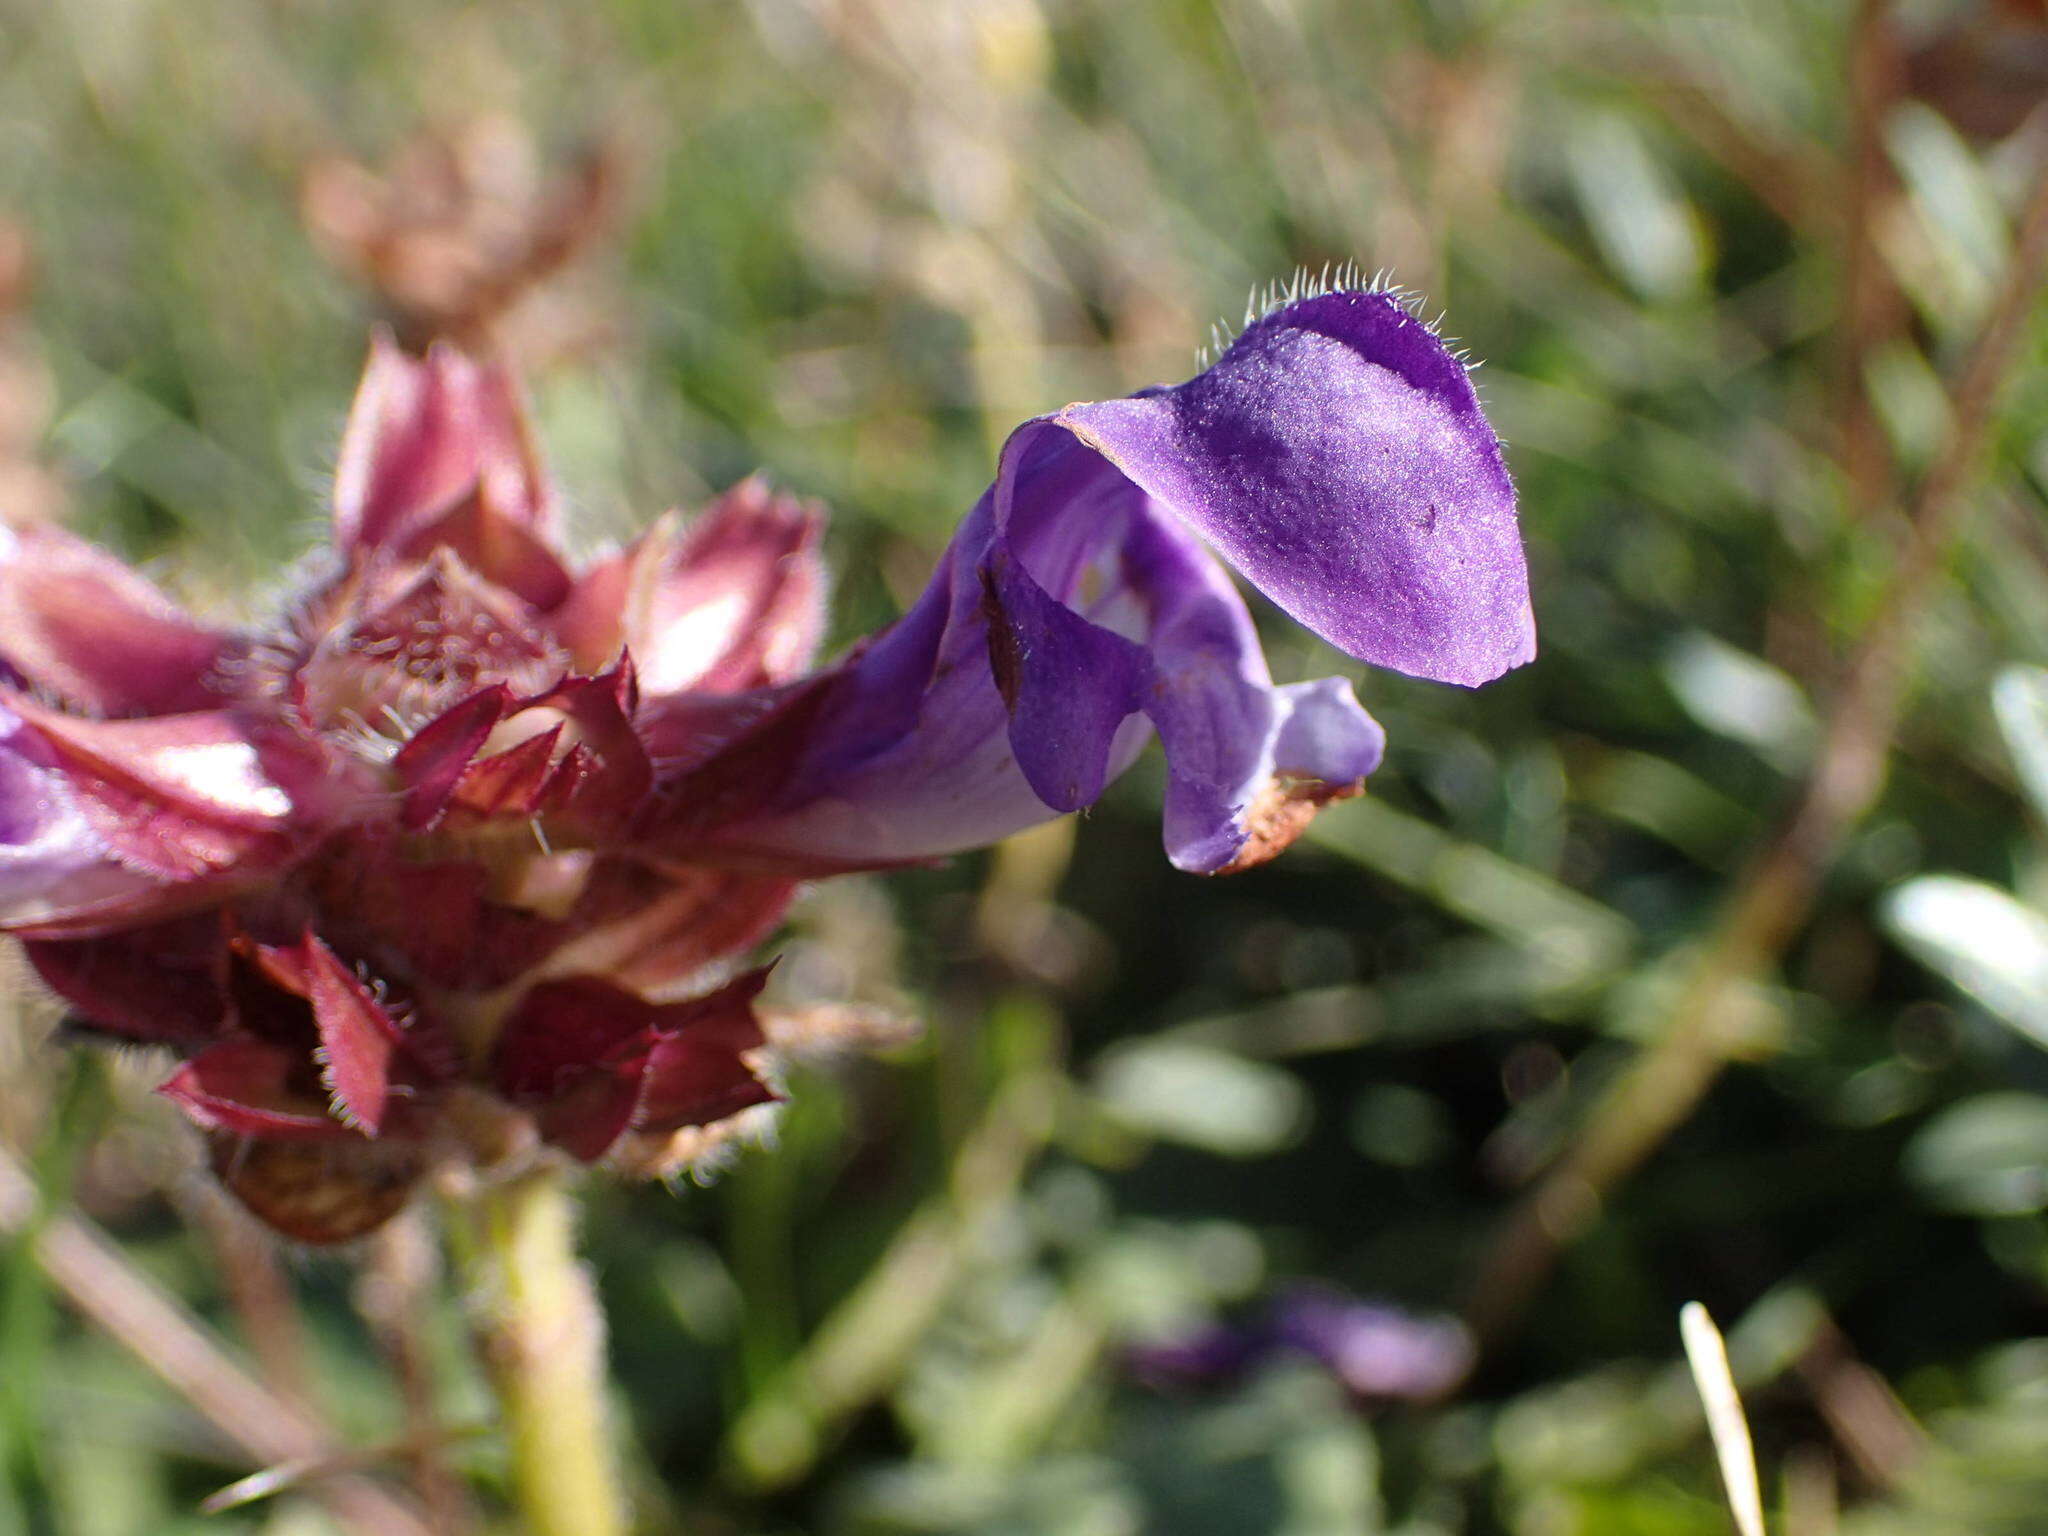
{"x": 1340, "y": 277}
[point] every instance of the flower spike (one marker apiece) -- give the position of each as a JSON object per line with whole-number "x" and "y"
{"x": 463, "y": 858}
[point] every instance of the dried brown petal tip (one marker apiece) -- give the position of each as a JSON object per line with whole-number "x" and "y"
{"x": 1281, "y": 814}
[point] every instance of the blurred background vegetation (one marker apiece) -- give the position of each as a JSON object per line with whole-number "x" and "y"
{"x": 1559, "y": 1028}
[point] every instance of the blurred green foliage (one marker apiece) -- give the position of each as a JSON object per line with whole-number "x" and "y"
{"x": 856, "y": 241}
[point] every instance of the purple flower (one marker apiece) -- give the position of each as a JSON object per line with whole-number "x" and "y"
{"x": 1380, "y": 1353}
{"x": 1201, "y": 1357}
{"x": 1377, "y": 1351}
{"x": 462, "y": 851}
{"x": 1335, "y": 454}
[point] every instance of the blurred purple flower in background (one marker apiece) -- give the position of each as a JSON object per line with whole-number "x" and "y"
{"x": 456, "y": 860}
{"x": 1378, "y": 1352}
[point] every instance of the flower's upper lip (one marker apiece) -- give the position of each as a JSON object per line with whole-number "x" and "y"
{"x": 1337, "y": 456}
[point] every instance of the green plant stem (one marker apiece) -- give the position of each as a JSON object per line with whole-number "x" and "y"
{"x": 541, "y": 1336}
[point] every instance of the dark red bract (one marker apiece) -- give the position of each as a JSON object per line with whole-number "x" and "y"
{"x": 373, "y": 874}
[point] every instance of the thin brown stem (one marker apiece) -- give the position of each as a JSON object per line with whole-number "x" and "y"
{"x": 392, "y": 1294}
{"x": 84, "y": 1265}
{"x": 1789, "y": 178}
{"x": 1868, "y": 1421}
{"x": 1770, "y": 902}
{"x": 1871, "y": 309}
{"x": 257, "y": 1286}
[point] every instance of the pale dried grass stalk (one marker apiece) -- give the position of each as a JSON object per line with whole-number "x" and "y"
{"x": 1707, "y": 1352}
